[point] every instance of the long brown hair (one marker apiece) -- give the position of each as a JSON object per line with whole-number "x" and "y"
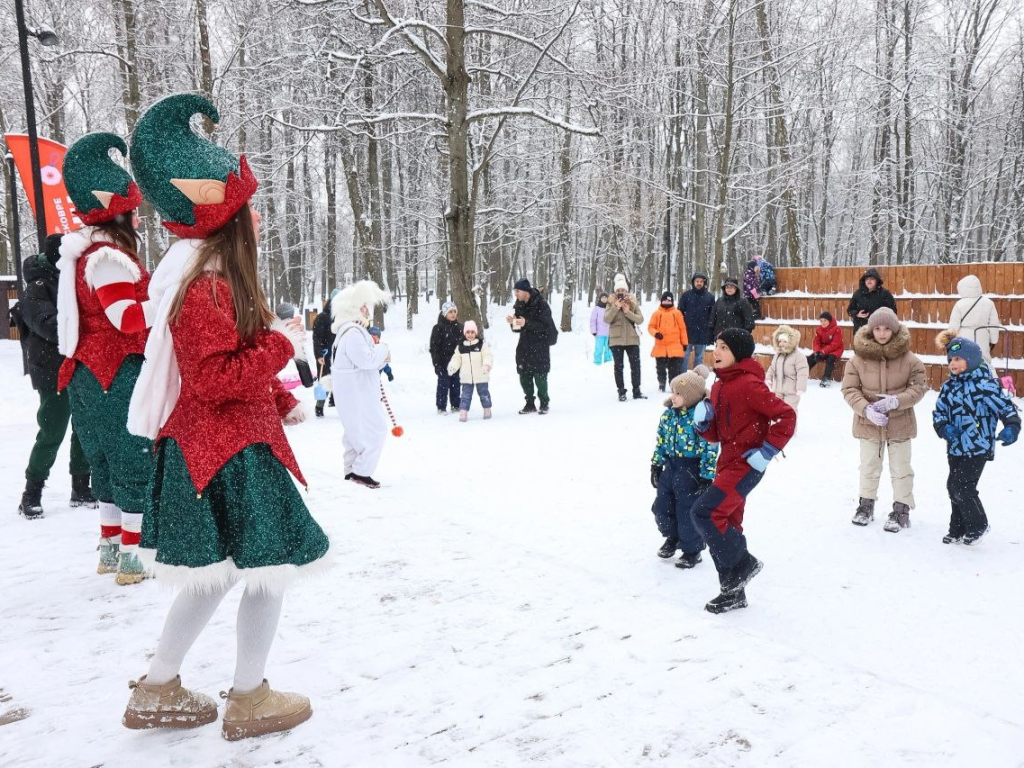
{"x": 233, "y": 249}
{"x": 121, "y": 233}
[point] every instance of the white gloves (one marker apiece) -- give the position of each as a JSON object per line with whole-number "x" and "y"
{"x": 886, "y": 403}
{"x": 296, "y": 415}
{"x": 294, "y": 332}
{"x": 875, "y": 417}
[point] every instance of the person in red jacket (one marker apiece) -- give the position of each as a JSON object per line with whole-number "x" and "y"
{"x": 752, "y": 425}
{"x": 669, "y": 331}
{"x": 828, "y": 346}
{"x": 222, "y": 504}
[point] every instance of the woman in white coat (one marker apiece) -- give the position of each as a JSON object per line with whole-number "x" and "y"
{"x": 355, "y": 371}
{"x": 974, "y": 317}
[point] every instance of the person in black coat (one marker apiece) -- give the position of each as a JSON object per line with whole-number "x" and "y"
{"x": 731, "y": 310}
{"x": 531, "y": 319}
{"x": 36, "y": 317}
{"x": 697, "y": 305}
{"x": 323, "y": 346}
{"x": 444, "y": 338}
{"x": 869, "y": 297}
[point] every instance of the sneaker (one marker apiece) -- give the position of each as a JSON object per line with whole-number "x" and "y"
{"x": 463, "y": 415}
{"x": 543, "y": 409}
{"x": 688, "y": 561}
{"x": 865, "y": 512}
{"x": 622, "y": 397}
{"x": 735, "y": 579}
{"x": 487, "y": 413}
{"x": 668, "y": 549}
{"x": 81, "y": 493}
{"x": 262, "y": 711}
{"x": 129, "y": 569}
{"x": 727, "y": 602}
{"x": 167, "y": 706}
{"x": 899, "y": 518}
{"x": 109, "y": 550}
{"x": 366, "y": 480}
{"x": 528, "y": 408}
{"x": 971, "y": 538}
{"x": 31, "y": 506}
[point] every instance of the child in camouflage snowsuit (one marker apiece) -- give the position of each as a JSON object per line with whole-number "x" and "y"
{"x": 683, "y": 465}
{"x": 966, "y": 416}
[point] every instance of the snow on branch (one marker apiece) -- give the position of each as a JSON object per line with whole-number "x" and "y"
{"x": 483, "y": 114}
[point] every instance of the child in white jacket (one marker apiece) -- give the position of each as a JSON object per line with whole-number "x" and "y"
{"x": 472, "y": 361}
{"x": 786, "y": 377}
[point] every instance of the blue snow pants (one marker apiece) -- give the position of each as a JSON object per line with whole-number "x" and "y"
{"x": 678, "y": 489}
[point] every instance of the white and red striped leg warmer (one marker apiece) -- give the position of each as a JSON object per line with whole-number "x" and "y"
{"x": 131, "y": 531}
{"x": 110, "y": 520}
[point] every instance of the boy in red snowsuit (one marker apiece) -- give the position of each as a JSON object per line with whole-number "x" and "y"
{"x": 752, "y": 426}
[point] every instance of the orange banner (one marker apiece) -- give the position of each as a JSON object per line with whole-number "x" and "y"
{"x": 60, "y": 218}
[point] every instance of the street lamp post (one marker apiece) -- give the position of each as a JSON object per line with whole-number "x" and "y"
{"x": 15, "y": 224}
{"x": 47, "y": 37}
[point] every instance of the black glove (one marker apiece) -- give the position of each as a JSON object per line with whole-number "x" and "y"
{"x": 390, "y": 375}
{"x": 655, "y": 475}
{"x": 659, "y": 336}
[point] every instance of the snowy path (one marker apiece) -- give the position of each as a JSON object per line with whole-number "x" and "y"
{"x": 499, "y": 603}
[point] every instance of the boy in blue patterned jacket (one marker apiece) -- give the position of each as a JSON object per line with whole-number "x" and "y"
{"x": 683, "y": 465}
{"x": 966, "y": 417}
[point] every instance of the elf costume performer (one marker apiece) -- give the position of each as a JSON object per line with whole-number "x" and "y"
{"x": 103, "y": 314}
{"x": 222, "y": 507}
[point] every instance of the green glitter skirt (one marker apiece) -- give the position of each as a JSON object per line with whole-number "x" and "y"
{"x": 249, "y": 524}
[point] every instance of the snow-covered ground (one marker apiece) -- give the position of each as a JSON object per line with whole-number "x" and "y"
{"x": 499, "y": 603}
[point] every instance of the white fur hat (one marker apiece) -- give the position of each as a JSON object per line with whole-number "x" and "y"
{"x": 347, "y": 305}
{"x": 620, "y": 283}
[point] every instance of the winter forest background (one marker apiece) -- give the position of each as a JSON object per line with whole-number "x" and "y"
{"x": 453, "y": 146}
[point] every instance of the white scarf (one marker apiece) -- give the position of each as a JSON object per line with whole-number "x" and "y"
{"x": 159, "y": 384}
{"x": 72, "y": 246}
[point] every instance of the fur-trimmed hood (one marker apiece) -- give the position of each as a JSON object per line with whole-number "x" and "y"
{"x": 864, "y": 344}
{"x": 786, "y": 339}
{"x": 346, "y": 306}
{"x": 943, "y": 338}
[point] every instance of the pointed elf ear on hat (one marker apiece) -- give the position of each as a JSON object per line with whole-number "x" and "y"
{"x": 100, "y": 188}
{"x": 195, "y": 185}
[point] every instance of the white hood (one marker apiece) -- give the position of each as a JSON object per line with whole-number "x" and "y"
{"x": 969, "y": 287}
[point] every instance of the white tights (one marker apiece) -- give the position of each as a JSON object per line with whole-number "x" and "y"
{"x": 258, "y": 615}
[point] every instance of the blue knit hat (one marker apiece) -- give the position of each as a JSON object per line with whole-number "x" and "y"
{"x": 965, "y": 349}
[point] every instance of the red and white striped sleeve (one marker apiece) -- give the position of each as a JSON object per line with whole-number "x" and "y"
{"x": 113, "y": 275}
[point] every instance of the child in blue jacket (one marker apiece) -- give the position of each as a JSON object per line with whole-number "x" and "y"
{"x": 683, "y": 465}
{"x": 966, "y": 416}
{"x": 376, "y": 333}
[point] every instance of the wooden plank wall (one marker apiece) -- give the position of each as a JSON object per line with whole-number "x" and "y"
{"x": 998, "y": 278}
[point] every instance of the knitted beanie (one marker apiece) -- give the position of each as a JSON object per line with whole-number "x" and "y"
{"x": 447, "y": 307}
{"x": 739, "y": 342}
{"x": 522, "y": 284}
{"x": 468, "y": 326}
{"x": 885, "y": 317}
{"x": 965, "y": 349}
{"x": 667, "y": 296}
{"x": 690, "y": 385}
{"x": 825, "y": 316}
{"x": 620, "y": 283}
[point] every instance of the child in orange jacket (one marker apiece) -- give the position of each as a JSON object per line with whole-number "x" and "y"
{"x": 669, "y": 331}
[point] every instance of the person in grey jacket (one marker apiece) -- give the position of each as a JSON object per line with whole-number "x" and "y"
{"x": 623, "y": 315}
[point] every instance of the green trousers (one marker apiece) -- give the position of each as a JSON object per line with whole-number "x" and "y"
{"x": 52, "y": 417}
{"x": 526, "y": 381}
{"x": 121, "y": 463}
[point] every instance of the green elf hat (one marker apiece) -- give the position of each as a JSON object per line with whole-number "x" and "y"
{"x": 195, "y": 185}
{"x": 100, "y": 188}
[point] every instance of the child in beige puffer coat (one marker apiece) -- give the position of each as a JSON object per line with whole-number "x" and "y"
{"x": 472, "y": 361}
{"x": 786, "y": 377}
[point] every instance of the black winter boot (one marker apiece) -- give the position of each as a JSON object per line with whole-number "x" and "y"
{"x": 865, "y": 512}
{"x": 638, "y": 395}
{"x": 735, "y": 579}
{"x": 318, "y": 409}
{"x": 688, "y": 561}
{"x": 668, "y": 549}
{"x": 899, "y": 518}
{"x": 971, "y": 538}
{"x": 31, "y": 500}
{"x": 622, "y": 395}
{"x": 727, "y": 602}
{"x": 81, "y": 493}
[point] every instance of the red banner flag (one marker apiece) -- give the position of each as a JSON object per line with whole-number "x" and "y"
{"x": 60, "y": 218}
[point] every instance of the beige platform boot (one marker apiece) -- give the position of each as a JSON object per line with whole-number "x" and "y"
{"x": 262, "y": 711}
{"x": 167, "y": 706}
